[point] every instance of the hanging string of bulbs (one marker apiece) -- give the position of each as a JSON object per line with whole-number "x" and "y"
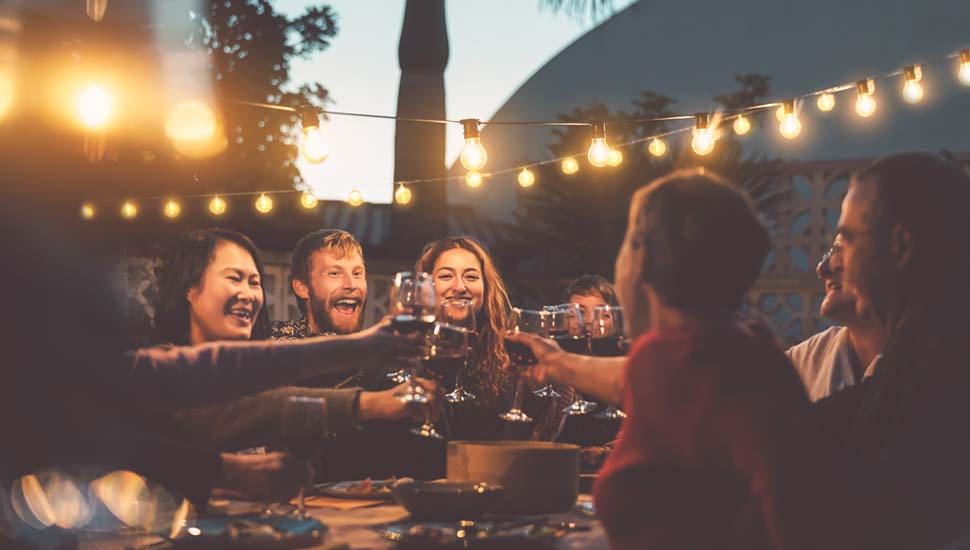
{"x": 314, "y": 149}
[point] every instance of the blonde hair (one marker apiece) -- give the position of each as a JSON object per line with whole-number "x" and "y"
{"x": 340, "y": 242}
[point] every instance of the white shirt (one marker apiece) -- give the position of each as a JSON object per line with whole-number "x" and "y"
{"x": 825, "y": 362}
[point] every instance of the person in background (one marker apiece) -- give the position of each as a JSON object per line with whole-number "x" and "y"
{"x": 462, "y": 268}
{"x": 839, "y": 356}
{"x": 719, "y": 448}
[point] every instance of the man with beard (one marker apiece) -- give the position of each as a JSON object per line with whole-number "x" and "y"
{"x": 839, "y": 356}
{"x": 905, "y": 238}
{"x": 328, "y": 279}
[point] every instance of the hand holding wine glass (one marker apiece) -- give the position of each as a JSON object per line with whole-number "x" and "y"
{"x": 521, "y": 356}
{"x": 607, "y": 340}
{"x": 413, "y": 306}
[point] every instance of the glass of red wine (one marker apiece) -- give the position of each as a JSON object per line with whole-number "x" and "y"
{"x": 413, "y": 305}
{"x": 300, "y": 417}
{"x": 607, "y": 340}
{"x": 447, "y": 352}
{"x": 565, "y": 322}
{"x": 459, "y": 312}
{"x": 521, "y": 356}
{"x": 572, "y": 336}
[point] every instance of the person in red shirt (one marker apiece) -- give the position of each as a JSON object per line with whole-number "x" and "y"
{"x": 719, "y": 449}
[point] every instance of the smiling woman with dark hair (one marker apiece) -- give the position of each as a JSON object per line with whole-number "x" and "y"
{"x": 211, "y": 289}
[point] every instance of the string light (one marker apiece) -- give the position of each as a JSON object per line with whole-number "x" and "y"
{"x": 780, "y": 113}
{"x": 742, "y": 125}
{"x": 865, "y": 105}
{"x": 703, "y": 138}
{"x": 615, "y": 159}
{"x": 790, "y": 127}
{"x": 217, "y": 206}
{"x": 308, "y": 201}
{"x": 95, "y": 106}
{"x": 473, "y": 155}
{"x": 825, "y": 102}
{"x": 473, "y": 179}
{"x": 129, "y": 210}
{"x": 599, "y": 151}
{"x": 569, "y": 166}
{"x": 526, "y": 178}
{"x": 355, "y": 198}
{"x": 87, "y": 211}
{"x": 171, "y": 210}
{"x": 657, "y": 147}
{"x": 403, "y": 195}
{"x": 263, "y": 204}
{"x": 912, "y": 89}
{"x": 7, "y": 90}
{"x": 964, "y": 73}
{"x": 313, "y": 146}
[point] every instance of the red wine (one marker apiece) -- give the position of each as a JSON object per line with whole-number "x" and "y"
{"x": 573, "y": 344}
{"x": 608, "y": 346}
{"x": 520, "y": 355}
{"x": 409, "y": 324}
{"x": 443, "y": 369}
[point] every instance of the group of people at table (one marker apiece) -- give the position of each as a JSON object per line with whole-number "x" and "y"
{"x": 854, "y": 438}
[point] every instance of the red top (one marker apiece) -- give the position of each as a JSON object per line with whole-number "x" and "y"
{"x": 718, "y": 450}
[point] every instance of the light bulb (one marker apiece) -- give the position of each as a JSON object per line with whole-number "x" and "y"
{"x": 964, "y": 73}
{"x": 403, "y": 195}
{"x": 87, "y": 211}
{"x": 657, "y": 147}
{"x": 308, "y": 201}
{"x": 171, "y": 209}
{"x": 615, "y": 159}
{"x": 742, "y": 125}
{"x": 473, "y": 179}
{"x": 780, "y": 113}
{"x": 825, "y": 102}
{"x": 790, "y": 126}
{"x": 703, "y": 138}
{"x": 526, "y": 178}
{"x": 96, "y": 8}
{"x": 569, "y": 165}
{"x": 313, "y": 147}
{"x": 865, "y": 105}
{"x": 95, "y": 105}
{"x": 190, "y": 120}
{"x": 473, "y": 155}
{"x": 912, "y": 89}
{"x": 129, "y": 210}
{"x": 217, "y": 206}
{"x": 599, "y": 151}
{"x": 263, "y": 204}
{"x": 355, "y": 198}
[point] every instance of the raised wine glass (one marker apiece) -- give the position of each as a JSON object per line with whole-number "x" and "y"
{"x": 572, "y": 336}
{"x": 459, "y": 312}
{"x": 413, "y": 305}
{"x": 607, "y": 340}
{"x": 521, "y": 356}
{"x": 447, "y": 352}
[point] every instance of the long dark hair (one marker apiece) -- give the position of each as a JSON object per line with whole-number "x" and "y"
{"x": 488, "y": 356}
{"x": 183, "y": 270}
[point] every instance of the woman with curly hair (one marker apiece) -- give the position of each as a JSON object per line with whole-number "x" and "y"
{"x": 463, "y": 268}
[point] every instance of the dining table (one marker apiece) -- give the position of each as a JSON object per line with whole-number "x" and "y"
{"x": 351, "y": 525}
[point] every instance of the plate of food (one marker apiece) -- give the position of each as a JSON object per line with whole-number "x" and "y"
{"x": 369, "y": 489}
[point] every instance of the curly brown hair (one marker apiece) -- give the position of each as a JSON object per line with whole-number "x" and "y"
{"x": 488, "y": 356}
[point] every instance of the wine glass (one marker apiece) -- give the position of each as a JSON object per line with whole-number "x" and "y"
{"x": 459, "y": 312}
{"x": 447, "y": 353}
{"x": 607, "y": 340}
{"x": 566, "y": 327}
{"x": 571, "y": 335}
{"x": 521, "y": 356}
{"x": 413, "y": 306}
{"x": 303, "y": 431}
